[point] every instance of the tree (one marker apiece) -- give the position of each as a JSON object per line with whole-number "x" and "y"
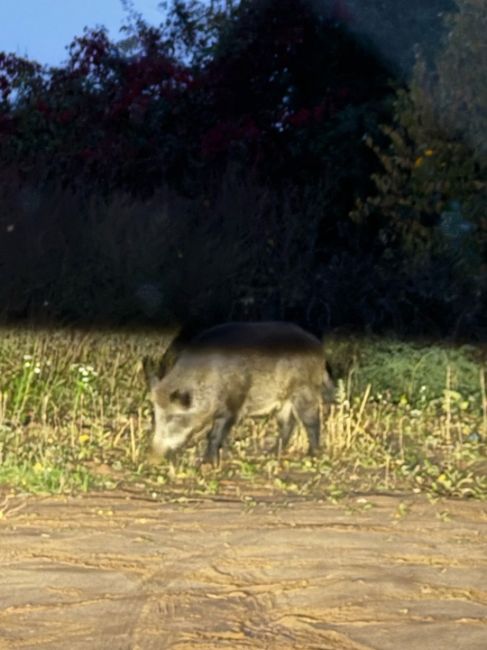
{"x": 429, "y": 208}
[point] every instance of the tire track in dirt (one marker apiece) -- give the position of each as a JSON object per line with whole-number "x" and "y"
{"x": 106, "y": 572}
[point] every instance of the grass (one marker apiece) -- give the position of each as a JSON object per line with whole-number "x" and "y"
{"x": 74, "y": 416}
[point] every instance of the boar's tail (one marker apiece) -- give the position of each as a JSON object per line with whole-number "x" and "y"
{"x": 328, "y": 384}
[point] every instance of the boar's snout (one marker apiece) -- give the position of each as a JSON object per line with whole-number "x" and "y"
{"x": 175, "y": 422}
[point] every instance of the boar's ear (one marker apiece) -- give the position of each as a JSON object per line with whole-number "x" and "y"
{"x": 181, "y": 396}
{"x": 150, "y": 372}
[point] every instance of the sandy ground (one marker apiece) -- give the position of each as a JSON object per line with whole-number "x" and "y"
{"x": 117, "y": 572}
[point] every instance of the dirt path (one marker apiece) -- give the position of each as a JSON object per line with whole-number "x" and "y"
{"x": 107, "y": 571}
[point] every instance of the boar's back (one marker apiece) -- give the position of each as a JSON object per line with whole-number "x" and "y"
{"x": 272, "y": 337}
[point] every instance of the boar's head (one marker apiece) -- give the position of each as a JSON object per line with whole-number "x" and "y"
{"x": 178, "y": 413}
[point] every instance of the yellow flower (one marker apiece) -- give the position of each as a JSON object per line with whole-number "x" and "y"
{"x": 38, "y": 467}
{"x": 83, "y": 437}
{"x": 419, "y": 161}
{"x": 429, "y": 152}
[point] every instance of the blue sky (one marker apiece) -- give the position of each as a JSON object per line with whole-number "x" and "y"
{"x": 41, "y": 29}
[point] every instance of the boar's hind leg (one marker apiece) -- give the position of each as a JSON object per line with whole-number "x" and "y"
{"x": 308, "y": 412}
{"x": 216, "y": 437}
{"x": 286, "y": 423}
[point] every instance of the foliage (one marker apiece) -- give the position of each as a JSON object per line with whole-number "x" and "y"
{"x": 428, "y": 212}
{"x": 192, "y": 28}
{"x": 276, "y": 95}
{"x": 169, "y": 101}
{"x": 241, "y": 125}
{"x": 414, "y": 373}
{"x": 311, "y": 89}
{"x": 432, "y": 188}
{"x": 459, "y": 90}
{"x": 122, "y": 260}
{"x": 99, "y": 116}
{"x": 396, "y": 27}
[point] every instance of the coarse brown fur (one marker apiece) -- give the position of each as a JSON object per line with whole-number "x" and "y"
{"x": 239, "y": 370}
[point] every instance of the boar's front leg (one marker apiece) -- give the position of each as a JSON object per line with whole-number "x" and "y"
{"x": 312, "y": 424}
{"x": 216, "y": 437}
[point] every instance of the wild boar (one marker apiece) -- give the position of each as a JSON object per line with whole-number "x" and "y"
{"x": 239, "y": 370}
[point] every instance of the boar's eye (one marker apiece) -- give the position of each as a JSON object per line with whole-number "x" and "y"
{"x": 181, "y": 396}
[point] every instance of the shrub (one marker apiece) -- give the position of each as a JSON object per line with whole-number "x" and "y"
{"x": 412, "y": 373}
{"x": 429, "y": 209}
{"x": 232, "y": 254}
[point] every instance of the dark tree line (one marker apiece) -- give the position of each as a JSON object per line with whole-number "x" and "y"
{"x": 242, "y": 141}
